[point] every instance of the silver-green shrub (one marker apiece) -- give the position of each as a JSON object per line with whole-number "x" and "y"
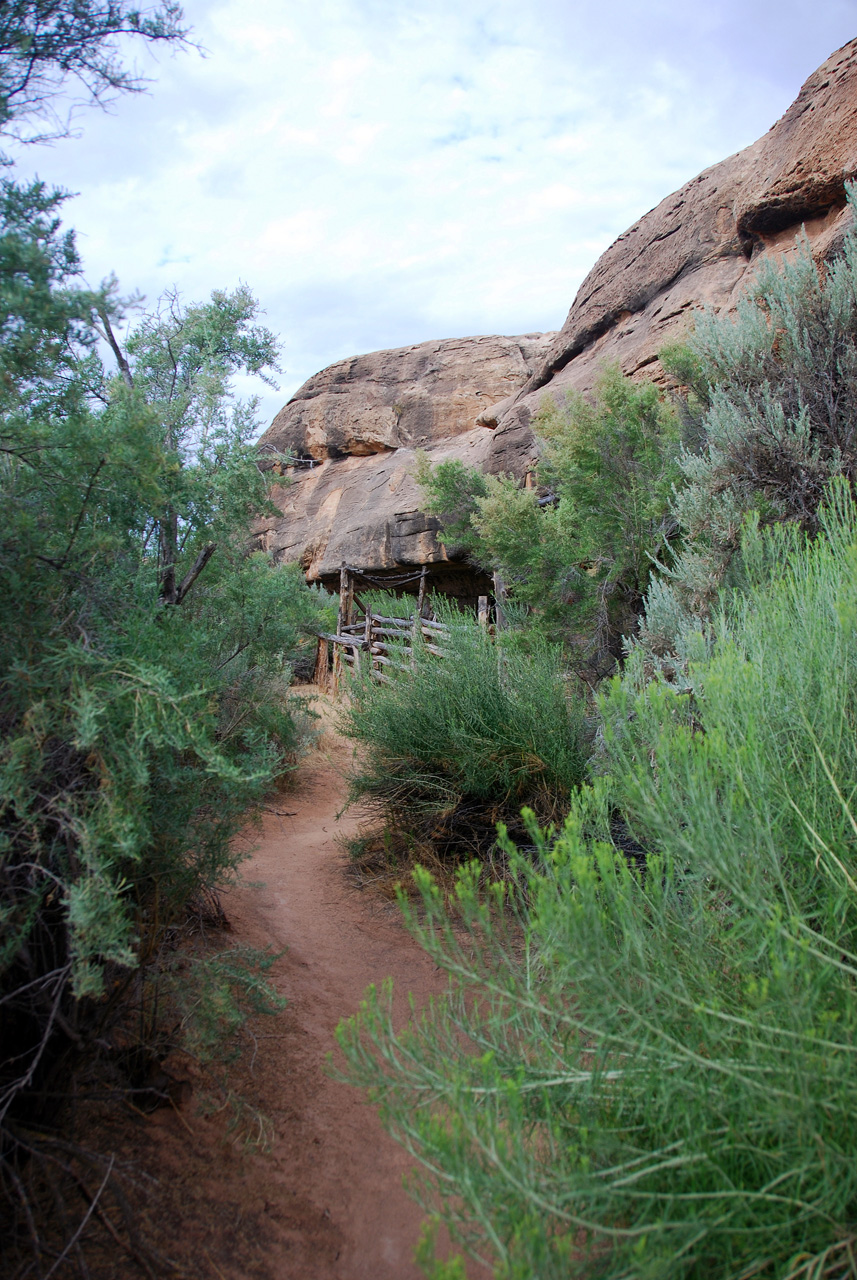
{"x": 651, "y": 1072}
{"x": 774, "y": 393}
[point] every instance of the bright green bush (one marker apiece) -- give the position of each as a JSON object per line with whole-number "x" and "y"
{"x": 652, "y": 1073}
{"x": 577, "y": 551}
{"x": 388, "y": 605}
{"x": 455, "y": 743}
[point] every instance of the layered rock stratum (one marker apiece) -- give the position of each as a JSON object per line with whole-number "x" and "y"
{"x": 358, "y": 423}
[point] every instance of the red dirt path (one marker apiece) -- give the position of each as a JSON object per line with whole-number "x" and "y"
{"x": 328, "y": 1142}
{"x": 326, "y": 1202}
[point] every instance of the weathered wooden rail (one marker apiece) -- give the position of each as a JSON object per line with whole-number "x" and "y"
{"x": 375, "y": 640}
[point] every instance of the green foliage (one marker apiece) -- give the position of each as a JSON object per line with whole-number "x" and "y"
{"x": 42, "y": 322}
{"x": 146, "y": 651}
{"x": 770, "y": 400}
{"x": 218, "y": 995}
{"x": 613, "y": 462}
{"x": 452, "y": 491}
{"x": 388, "y": 605}
{"x": 650, "y": 1072}
{"x": 579, "y": 556}
{"x": 454, "y": 743}
{"x": 425, "y": 1256}
{"x": 47, "y": 46}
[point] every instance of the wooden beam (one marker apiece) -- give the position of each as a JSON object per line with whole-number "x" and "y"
{"x": 367, "y": 637}
{"x": 320, "y": 675}
{"x": 404, "y": 632}
{"x": 405, "y": 623}
{"x": 421, "y": 595}
{"x": 482, "y": 611}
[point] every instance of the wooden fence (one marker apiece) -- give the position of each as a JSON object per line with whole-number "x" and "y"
{"x": 376, "y": 640}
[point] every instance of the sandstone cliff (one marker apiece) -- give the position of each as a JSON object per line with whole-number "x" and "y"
{"x": 356, "y": 427}
{"x": 475, "y": 398}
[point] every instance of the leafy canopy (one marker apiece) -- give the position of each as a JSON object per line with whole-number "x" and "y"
{"x": 48, "y": 46}
{"x": 147, "y": 649}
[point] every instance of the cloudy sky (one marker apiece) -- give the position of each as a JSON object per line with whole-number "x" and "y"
{"x": 382, "y": 172}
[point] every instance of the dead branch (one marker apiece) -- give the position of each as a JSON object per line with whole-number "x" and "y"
{"x": 195, "y": 570}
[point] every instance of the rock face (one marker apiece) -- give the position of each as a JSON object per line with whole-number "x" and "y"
{"x": 411, "y": 397}
{"x": 359, "y": 423}
{"x": 701, "y": 247}
{"x": 474, "y": 398}
{"x": 365, "y": 511}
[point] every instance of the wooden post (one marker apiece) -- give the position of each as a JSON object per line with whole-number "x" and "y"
{"x": 482, "y": 611}
{"x": 343, "y": 619}
{"x": 421, "y": 597}
{"x": 499, "y": 601}
{"x": 416, "y": 631}
{"x": 320, "y": 673}
{"x": 346, "y": 598}
{"x": 367, "y": 639}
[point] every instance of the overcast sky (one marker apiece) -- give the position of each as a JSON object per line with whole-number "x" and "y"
{"x": 381, "y": 172}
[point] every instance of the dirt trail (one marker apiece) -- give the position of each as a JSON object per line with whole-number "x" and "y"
{"x": 329, "y": 1145}
{"x": 202, "y": 1198}
{"x": 326, "y": 1202}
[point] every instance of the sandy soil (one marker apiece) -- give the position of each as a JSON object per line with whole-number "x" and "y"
{"x": 328, "y": 1142}
{"x": 326, "y": 1202}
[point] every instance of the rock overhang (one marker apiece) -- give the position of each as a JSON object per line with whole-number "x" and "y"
{"x": 474, "y": 398}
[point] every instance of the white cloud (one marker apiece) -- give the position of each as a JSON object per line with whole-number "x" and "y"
{"x": 381, "y": 174}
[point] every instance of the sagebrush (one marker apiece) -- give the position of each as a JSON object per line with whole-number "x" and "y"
{"x": 453, "y": 744}
{"x": 650, "y": 1072}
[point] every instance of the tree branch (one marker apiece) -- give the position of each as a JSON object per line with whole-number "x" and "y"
{"x": 77, "y": 522}
{"x": 110, "y": 337}
{"x": 195, "y": 570}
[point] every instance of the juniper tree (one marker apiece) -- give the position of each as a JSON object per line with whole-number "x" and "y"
{"x": 143, "y": 675}
{"x": 576, "y": 551}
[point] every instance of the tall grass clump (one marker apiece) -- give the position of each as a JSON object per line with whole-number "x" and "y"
{"x": 652, "y": 1074}
{"x": 454, "y": 744}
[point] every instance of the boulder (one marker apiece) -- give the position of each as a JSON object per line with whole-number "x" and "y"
{"x": 355, "y": 429}
{"x": 412, "y": 397}
{"x": 364, "y": 511}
